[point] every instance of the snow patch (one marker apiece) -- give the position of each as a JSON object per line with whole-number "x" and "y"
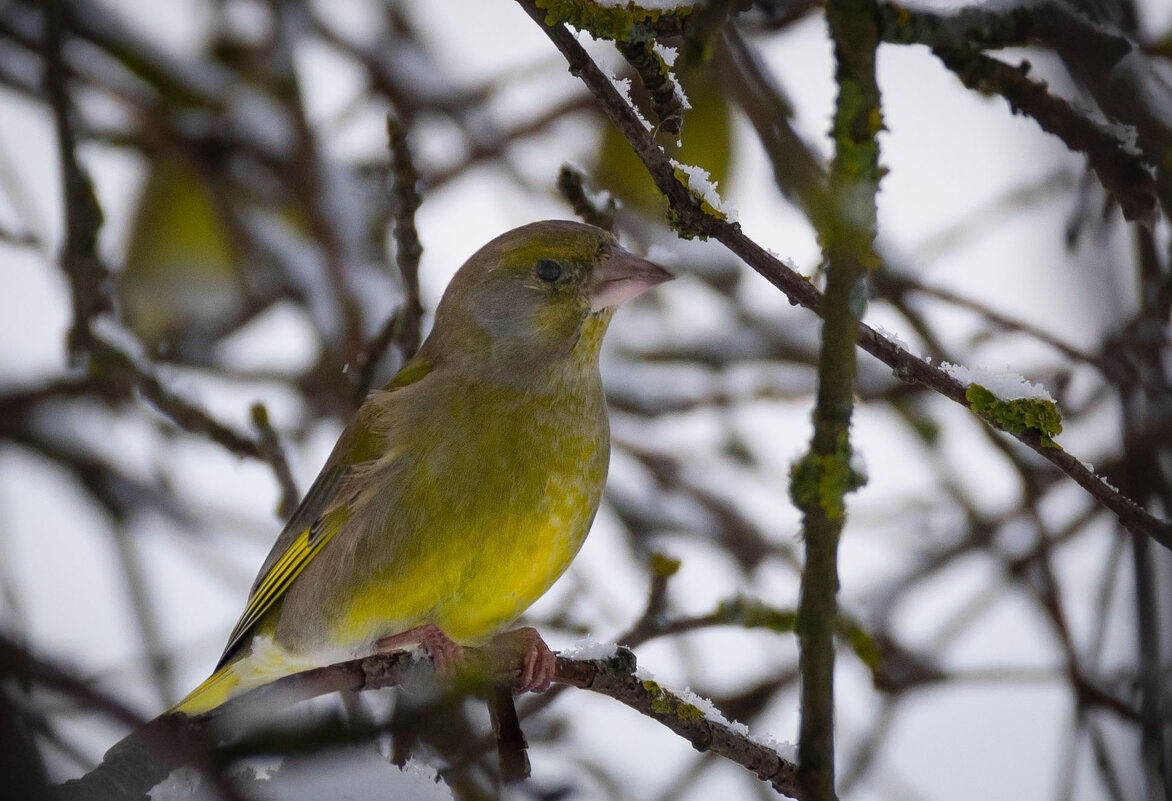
{"x": 668, "y": 54}
{"x": 623, "y": 86}
{"x": 587, "y": 648}
{"x": 700, "y": 182}
{"x": 1004, "y": 384}
{"x": 786, "y": 750}
{"x": 893, "y": 337}
{"x": 181, "y": 783}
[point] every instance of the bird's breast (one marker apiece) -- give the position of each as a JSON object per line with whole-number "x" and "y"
{"x": 483, "y": 514}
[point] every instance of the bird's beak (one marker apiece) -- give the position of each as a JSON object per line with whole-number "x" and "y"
{"x": 621, "y": 276}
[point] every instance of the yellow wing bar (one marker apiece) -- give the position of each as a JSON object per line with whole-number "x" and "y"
{"x": 279, "y": 577}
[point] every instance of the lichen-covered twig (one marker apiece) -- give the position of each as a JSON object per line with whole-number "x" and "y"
{"x": 821, "y": 479}
{"x": 666, "y": 103}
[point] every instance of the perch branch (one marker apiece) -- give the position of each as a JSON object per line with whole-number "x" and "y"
{"x": 150, "y": 753}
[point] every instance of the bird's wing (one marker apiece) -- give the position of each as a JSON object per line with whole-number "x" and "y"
{"x": 318, "y": 517}
{"x": 306, "y": 533}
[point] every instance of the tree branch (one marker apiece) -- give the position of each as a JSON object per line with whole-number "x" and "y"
{"x": 1122, "y": 173}
{"x": 83, "y": 215}
{"x": 147, "y": 755}
{"x": 802, "y": 292}
{"x": 822, "y": 478}
{"x": 404, "y": 203}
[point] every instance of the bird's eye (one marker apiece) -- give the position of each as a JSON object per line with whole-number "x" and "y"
{"x": 548, "y": 271}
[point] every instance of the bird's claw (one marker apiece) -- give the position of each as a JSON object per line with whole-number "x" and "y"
{"x": 539, "y": 663}
{"x": 446, "y": 654}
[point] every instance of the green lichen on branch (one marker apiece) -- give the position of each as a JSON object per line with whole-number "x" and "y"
{"x": 898, "y": 25}
{"x": 823, "y": 481}
{"x": 856, "y": 125}
{"x": 1018, "y": 415}
{"x": 631, "y": 22}
{"x": 686, "y": 221}
{"x": 685, "y": 178}
{"x": 861, "y": 643}
{"x": 754, "y": 614}
{"x": 665, "y": 703}
{"x": 663, "y": 565}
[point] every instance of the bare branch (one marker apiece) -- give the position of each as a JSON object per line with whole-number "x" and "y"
{"x": 83, "y": 217}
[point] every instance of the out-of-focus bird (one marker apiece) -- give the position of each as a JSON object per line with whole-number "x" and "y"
{"x": 181, "y": 277}
{"x": 464, "y": 487}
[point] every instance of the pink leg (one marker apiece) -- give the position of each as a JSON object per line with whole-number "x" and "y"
{"x": 445, "y": 654}
{"x": 540, "y": 663}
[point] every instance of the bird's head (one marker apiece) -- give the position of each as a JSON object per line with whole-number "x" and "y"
{"x": 529, "y": 296}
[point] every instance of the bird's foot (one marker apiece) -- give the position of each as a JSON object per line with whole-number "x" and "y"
{"x": 539, "y": 663}
{"x": 446, "y": 654}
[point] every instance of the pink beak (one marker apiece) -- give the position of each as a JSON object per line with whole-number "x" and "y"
{"x": 621, "y": 276}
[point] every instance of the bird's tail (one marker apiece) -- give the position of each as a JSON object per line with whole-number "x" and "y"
{"x": 215, "y": 690}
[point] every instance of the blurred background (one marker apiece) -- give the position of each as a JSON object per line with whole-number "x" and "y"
{"x": 1015, "y": 638}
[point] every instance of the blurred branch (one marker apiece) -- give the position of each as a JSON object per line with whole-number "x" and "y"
{"x": 87, "y": 274}
{"x": 1050, "y": 23}
{"x": 1094, "y": 51}
{"x": 738, "y": 534}
{"x": 403, "y": 327}
{"x": 17, "y": 663}
{"x": 269, "y": 445}
{"x": 797, "y": 168}
{"x": 19, "y": 238}
{"x": 1120, "y": 170}
{"x": 312, "y": 180}
{"x": 404, "y": 203}
{"x": 889, "y": 284}
{"x": 171, "y": 78}
{"x": 571, "y": 185}
{"x": 481, "y": 150}
{"x": 801, "y": 292}
{"x": 83, "y": 217}
{"x": 116, "y": 365}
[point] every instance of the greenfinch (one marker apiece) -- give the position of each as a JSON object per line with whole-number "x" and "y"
{"x": 180, "y": 279}
{"x": 464, "y": 487}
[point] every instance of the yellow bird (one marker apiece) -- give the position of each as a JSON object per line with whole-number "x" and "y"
{"x": 464, "y": 487}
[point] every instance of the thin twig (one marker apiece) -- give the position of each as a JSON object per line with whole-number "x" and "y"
{"x": 83, "y": 216}
{"x": 571, "y": 185}
{"x": 269, "y": 445}
{"x": 1120, "y": 171}
{"x": 405, "y": 201}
